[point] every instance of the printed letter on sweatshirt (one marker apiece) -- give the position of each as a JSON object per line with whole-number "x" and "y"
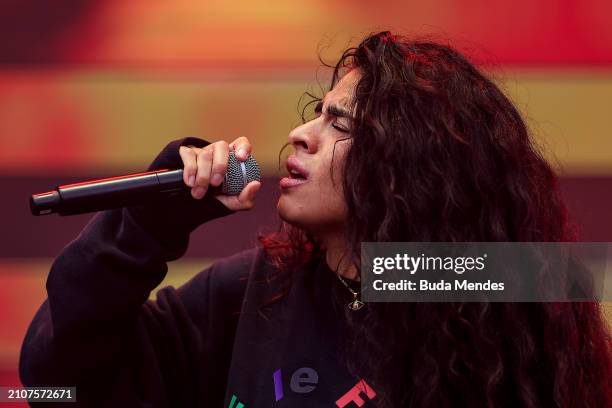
{"x": 354, "y": 395}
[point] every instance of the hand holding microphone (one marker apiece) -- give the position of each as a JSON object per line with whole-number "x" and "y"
{"x": 227, "y": 169}
{"x": 168, "y": 204}
{"x": 207, "y": 167}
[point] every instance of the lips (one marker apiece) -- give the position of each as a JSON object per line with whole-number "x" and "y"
{"x": 296, "y": 169}
{"x": 298, "y": 174}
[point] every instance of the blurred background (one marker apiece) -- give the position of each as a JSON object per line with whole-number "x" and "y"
{"x": 91, "y": 89}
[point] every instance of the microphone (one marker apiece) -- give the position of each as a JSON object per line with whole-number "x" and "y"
{"x": 135, "y": 189}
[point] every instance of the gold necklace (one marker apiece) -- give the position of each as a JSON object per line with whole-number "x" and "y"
{"x": 355, "y": 304}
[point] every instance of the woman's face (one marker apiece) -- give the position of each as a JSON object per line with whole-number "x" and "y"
{"x": 310, "y": 198}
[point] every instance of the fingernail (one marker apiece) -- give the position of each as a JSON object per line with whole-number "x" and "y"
{"x": 242, "y": 153}
{"x": 198, "y": 192}
{"x": 216, "y": 179}
{"x": 191, "y": 181}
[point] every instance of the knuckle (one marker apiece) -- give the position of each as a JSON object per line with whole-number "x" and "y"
{"x": 186, "y": 150}
{"x": 190, "y": 167}
{"x": 219, "y": 167}
{"x": 184, "y": 154}
{"x": 205, "y": 154}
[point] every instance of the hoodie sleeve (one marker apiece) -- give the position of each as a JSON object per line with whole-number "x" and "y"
{"x": 98, "y": 331}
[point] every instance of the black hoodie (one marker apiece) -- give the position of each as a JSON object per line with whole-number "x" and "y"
{"x": 235, "y": 335}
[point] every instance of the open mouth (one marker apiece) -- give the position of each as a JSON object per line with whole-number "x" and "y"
{"x": 297, "y": 174}
{"x": 294, "y": 174}
{"x": 296, "y": 169}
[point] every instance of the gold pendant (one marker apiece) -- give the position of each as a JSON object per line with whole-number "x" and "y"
{"x": 356, "y": 304}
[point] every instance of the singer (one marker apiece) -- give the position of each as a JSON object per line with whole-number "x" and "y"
{"x": 410, "y": 143}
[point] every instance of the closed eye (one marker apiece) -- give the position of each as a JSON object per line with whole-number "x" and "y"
{"x": 336, "y": 112}
{"x": 339, "y": 128}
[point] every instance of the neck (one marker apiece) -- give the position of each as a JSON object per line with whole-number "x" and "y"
{"x": 337, "y": 255}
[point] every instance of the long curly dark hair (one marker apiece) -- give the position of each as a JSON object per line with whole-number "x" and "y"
{"x": 459, "y": 165}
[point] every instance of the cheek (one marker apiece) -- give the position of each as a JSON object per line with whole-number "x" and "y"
{"x": 331, "y": 192}
{"x": 328, "y": 198}
{"x": 330, "y": 186}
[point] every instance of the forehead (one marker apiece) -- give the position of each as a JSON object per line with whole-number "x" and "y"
{"x": 342, "y": 93}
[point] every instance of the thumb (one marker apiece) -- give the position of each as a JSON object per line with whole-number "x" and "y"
{"x": 244, "y": 201}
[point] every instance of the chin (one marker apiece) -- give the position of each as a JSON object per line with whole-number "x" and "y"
{"x": 295, "y": 214}
{"x": 313, "y": 220}
{"x": 288, "y": 212}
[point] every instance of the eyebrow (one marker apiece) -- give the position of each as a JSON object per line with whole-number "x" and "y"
{"x": 334, "y": 110}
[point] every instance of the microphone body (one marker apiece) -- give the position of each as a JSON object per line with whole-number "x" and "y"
{"x": 134, "y": 189}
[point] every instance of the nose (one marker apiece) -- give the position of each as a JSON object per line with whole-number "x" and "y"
{"x": 303, "y": 138}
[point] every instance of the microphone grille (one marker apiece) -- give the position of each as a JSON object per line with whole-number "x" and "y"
{"x": 239, "y": 174}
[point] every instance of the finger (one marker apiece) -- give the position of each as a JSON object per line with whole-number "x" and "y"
{"x": 188, "y": 155}
{"x": 244, "y": 201}
{"x": 219, "y": 163}
{"x": 247, "y": 195}
{"x": 204, "y": 162}
{"x": 241, "y": 147}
